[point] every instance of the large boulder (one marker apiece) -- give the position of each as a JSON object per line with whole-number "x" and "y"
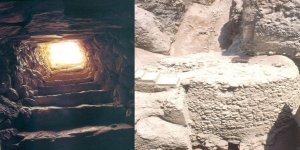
{"x": 203, "y": 29}
{"x": 168, "y": 105}
{"x": 148, "y": 34}
{"x": 168, "y": 12}
{"x": 148, "y": 104}
{"x": 155, "y": 133}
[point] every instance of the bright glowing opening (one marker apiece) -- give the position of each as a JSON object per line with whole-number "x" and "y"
{"x": 65, "y": 53}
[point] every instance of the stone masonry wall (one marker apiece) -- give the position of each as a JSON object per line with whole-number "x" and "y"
{"x": 271, "y": 27}
{"x": 238, "y": 112}
{"x": 250, "y": 103}
{"x": 113, "y": 51}
{"x": 10, "y": 97}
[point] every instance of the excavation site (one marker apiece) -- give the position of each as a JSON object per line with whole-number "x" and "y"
{"x": 67, "y": 75}
{"x": 217, "y": 74}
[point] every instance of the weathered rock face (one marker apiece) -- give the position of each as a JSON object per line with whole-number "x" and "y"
{"x": 200, "y": 26}
{"x": 148, "y": 34}
{"x": 115, "y": 71}
{"x": 161, "y": 120}
{"x": 31, "y": 68}
{"x": 168, "y": 12}
{"x": 155, "y": 133}
{"x": 271, "y": 27}
{"x": 143, "y": 57}
{"x": 156, "y": 23}
{"x": 205, "y": 28}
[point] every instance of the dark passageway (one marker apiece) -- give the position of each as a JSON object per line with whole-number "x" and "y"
{"x": 66, "y": 75}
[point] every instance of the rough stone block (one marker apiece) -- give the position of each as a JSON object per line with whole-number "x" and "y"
{"x": 12, "y": 94}
{"x": 148, "y": 104}
{"x": 174, "y": 107}
{"x": 155, "y": 133}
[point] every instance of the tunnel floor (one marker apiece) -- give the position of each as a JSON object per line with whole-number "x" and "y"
{"x": 73, "y": 115}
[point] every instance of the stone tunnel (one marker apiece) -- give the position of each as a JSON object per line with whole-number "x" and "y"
{"x": 66, "y": 75}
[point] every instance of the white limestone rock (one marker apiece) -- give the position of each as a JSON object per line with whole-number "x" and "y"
{"x": 155, "y": 133}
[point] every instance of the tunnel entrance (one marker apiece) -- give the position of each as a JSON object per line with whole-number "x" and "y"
{"x": 66, "y": 59}
{"x": 66, "y": 54}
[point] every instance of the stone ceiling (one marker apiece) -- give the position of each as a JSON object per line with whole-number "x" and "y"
{"x": 20, "y": 19}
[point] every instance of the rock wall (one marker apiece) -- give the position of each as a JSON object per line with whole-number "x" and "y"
{"x": 116, "y": 68}
{"x": 167, "y": 12}
{"x": 204, "y": 28}
{"x": 187, "y": 27}
{"x": 11, "y": 93}
{"x": 236, "y": 114}
{"x": 31, "y": 65}
{"x": 23, "y": 70}
{"x": 271, "y": 27}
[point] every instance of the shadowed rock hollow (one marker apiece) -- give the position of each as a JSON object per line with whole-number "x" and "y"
{"x": 86, "y": 104}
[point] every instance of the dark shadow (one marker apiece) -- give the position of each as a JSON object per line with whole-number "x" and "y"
{"x": 225, "y": 39}
{"x": 232, "y": 146}
{"x": 229, "y": 32}
{"x": 283, "y": 134}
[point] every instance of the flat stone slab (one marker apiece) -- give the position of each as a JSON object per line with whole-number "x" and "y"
{"x": 74, "y": 99}
{"x": 213, "y": 68}
{"x": 139, "y": 74}
{"x": 156, "y": 81}
{"x": 60, "y": 89}
{"x": 89, "y": 137}
{"x": 45, "y": 118}
{"x": 66, "y": 82}
{"x": 168, "y": 80}
{"x": 150, "y": 77}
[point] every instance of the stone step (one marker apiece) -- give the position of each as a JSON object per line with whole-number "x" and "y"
{"x": 68, "y": 75}
{"x": 60, "y": 89}
{"x": 66, "y": 82}
{"x": 73, "y": 99}
{"x": 113, "y": 137}
{"x": 61, "y": 118}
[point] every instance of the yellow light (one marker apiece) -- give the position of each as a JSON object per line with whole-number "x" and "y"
{"x": 65, "y": 53}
